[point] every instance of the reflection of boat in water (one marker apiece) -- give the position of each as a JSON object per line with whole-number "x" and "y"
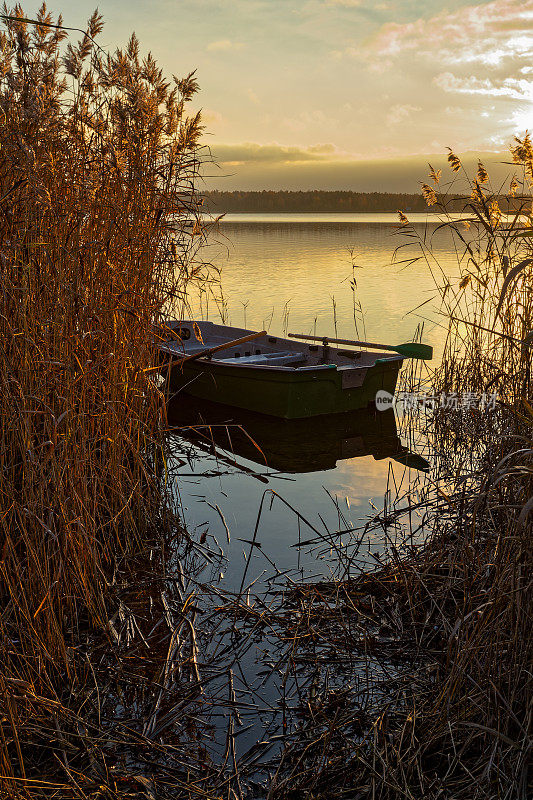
{"x": 294, "y": 446}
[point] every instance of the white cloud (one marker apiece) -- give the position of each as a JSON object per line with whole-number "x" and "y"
{"x": 487, "y": 32}
{"x": 224, "y": 45}
{"x": 478, "y": 51}
{"x": 509, "y": 87}
{"x": 454, "y": 110}
{"x": 493, "y": 35}
{"x": 400, "y": 113}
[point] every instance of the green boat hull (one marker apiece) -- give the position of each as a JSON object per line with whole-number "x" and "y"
{"x": 286, "y": 393}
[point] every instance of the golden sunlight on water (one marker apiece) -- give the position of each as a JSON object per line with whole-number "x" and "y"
{"x": 297, "y": 276}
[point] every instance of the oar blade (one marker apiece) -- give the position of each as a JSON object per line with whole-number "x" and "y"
{"x": 415, "y": 350}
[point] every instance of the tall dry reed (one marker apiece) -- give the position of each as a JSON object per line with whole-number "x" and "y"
{"x": 467, "y": 731}
{"x": 98, "y": 168}
{"x": 486, "y": 698}
{"x": 443, "y": 627}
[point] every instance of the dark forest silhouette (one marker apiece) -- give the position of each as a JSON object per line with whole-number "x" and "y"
{"x": 313, "y": 201}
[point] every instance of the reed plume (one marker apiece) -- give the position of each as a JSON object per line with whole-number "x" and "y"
{"x": 98, "y": 168}
{"x": 467, "y": 733}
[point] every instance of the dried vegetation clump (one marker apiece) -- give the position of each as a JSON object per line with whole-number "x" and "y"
{"x": 98, "y": 164}
{"x": 102, "y": 688}
{"x": 450, "y": 622}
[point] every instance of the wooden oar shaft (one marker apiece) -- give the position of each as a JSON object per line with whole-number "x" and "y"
{"x": 327, "y": 339}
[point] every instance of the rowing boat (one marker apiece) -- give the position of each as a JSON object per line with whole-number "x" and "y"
{"x": 272, "y": 375}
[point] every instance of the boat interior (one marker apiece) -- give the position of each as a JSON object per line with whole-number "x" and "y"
{"x": 188, "y": 337}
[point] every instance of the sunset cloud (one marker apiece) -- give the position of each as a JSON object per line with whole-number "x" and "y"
{"x": 481, "y": 50}
{"x": 223, "y": 45}
{"x": 486, "y": 45}
{"x": 486, "y": 32}
{"x": 369, "y": 78}
{"x": 253, "y": 153}
{"x": 268, "y": 167}
{"x": 399, "y": 113}
{"x": 509, "y": 87}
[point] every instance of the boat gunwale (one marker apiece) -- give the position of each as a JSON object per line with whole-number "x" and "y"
{"x": 279, "y": 390}
{"x": 382, "y": 358}
{"x": 216, "y": 337}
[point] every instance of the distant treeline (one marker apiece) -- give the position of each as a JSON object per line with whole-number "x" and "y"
{"x": 316, "y": 201}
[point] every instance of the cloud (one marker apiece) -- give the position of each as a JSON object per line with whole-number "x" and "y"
{"x": 345, "y": 3}
{"x": 494, "y": 35}
{"x": 393, "y": 174}
{"x": 252, "y": 97}
{"x": 399, "y": 113}
{"x": 252, "y": 153}
{"x": 508, "y": 87}
{"x": 223, "y": 45}
{"x": 323, "y": 149}
{"x": 488, "y": 33}
{"x": 475, "y": 52}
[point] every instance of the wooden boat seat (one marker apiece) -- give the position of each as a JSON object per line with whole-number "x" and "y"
{"x": 282, "y": 359}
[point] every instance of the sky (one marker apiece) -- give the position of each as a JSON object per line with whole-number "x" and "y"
{"x": 338, "y": 94}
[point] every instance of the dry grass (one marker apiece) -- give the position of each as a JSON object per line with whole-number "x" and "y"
{"x": 480, "y": 719}
{"x": 101, "y": 684}
{"x": 98, "y": 164}
{"x": 451, "y": 622}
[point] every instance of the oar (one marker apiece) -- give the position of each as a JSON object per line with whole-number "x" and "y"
{"x": 407, "y": 350}
{"x": 210, "y": 350}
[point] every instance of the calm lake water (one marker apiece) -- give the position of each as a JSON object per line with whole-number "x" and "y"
{"x": 295, "y": 273}
{"x": 302, "y": 513}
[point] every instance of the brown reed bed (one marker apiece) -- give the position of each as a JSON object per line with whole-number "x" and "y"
{"x": 105, "y": 679}
{"x": 443, "y": 629}
{"x": 98, "y": 238}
